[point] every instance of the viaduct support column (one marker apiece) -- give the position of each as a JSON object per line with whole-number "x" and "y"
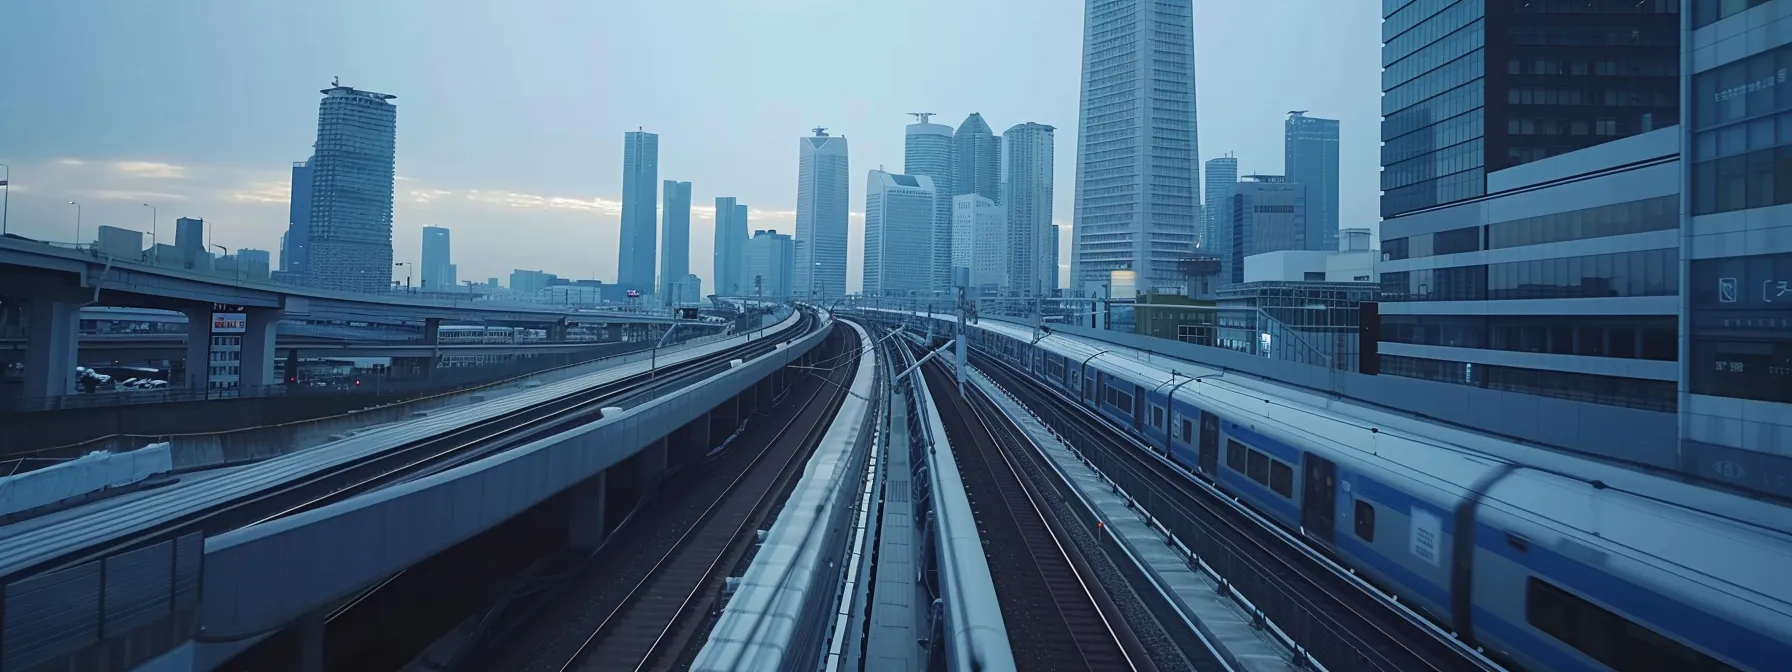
{"x": 432, "y": 331}
{"x": 199, "y": 349}
{"x": 585, "y": 512}
{"x": 259, "y": 330}
{"x": 52, "y": 346}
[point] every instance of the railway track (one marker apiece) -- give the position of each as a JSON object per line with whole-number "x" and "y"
{"x": 425, "y": 455}
{"x": 641, "y": 599}
{"x": 1335, "y": 620}
{"x": 1058, "y": 614}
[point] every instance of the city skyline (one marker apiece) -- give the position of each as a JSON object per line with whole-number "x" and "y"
{"x": 472, "y": 167}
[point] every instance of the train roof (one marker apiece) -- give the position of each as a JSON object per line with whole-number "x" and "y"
{"x": 1737, "y": 566}
{"x": 1409, "y": 440}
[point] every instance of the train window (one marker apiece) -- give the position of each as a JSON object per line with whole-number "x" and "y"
{"x": 1365, "y": 520}
{"x": 1258, "y": 469}
{"x": 1281, "y": 478}
{"x": 1235, "y": 455}
{"x": 1188, "y": 431}
{"x": 1607, "y": 637}
{"x": 1157, "y": 417}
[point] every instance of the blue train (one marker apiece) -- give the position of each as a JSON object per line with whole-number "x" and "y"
{"x": 1545, "y": 560}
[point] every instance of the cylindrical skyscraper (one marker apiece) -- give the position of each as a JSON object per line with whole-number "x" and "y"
{"x": 349, "y": 246}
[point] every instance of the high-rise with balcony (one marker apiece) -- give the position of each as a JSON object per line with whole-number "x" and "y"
{"x": 349, "y": 239}
{"x": 1310, "y": 155}
{"x": 1471, "y": 87}
{"x": 437, "y": 265}
{"x": 675, "y": 241}
{"x": 729, "y": 253}
{"x": 640, "y": 180}
{"x": 899, "y": 213}
{"x": 927, "y": 150}
{"x": 1138, "y": 182}
{"x": 1032, "y": 252}
{"x": 821, "y": 206}
{"x": 1736, "y": 326}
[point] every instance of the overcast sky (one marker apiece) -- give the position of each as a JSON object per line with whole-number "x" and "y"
{"x": 511, "y": 114}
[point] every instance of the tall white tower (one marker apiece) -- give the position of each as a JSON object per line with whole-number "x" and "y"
{"x": 821, "y": 203}
{"x": 928, "y": 151}
{"x": 1138, "y": 179}
{"x": 1032, "y": 254}
{"x": 899, "y": 211}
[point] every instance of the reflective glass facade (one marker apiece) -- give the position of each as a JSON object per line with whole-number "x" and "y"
{"x": 640, "y": 202}
{"x": 1742, "y": 134}
{"x": 1471, "y": 87}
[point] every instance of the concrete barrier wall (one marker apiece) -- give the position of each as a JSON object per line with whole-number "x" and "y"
{"x": 80, "y": 476}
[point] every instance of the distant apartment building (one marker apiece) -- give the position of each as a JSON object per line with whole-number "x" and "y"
{"x": 1216, "y": 213}
{"x": 980, "y": 244}
{"x": 1032, "y": 250}
{"x": 729, "y": 252}
{"x": 675, "y": 240}
{"x": 1267, "y": 214}
{"x": 899, "y": 211}
{"x": 437, "y": 268}
{"x": 640, "y": 201}
{"x": 349, "y": 238}
{"x": 769, "y": 263}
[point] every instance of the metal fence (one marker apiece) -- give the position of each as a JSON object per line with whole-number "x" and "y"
{"x": 60, "y": 614}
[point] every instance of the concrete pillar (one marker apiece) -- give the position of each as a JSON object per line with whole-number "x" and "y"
{"x": 311, "y": 641}
{"x": 557, "y": 331}
{"x": 585, "y": 512}
{"x": 432, "y": 329}
{"x": 199, "y": 348}
{"x": 653, "y": 466}
{"x": 52, "y": 347}
{"x": 258, "y": 347}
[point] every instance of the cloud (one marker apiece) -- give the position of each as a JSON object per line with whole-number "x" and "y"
{"x": 151, "y": 169}
{"x": 426, "y": 196}
{"x": 522, "y": 201}
{"x": 262, "y": 192}
{"x": 71, "y": 162}
{"x": 126, "y": 195}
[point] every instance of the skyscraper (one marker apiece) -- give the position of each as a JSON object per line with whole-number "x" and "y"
{"x": 1222, "y": 177}
{"x": 821, "y": 203}
{"x": 1513, "y": 88}
{"x": 675, "y": 240}
{"x": 1310, "y": 149}
{"x": 349, "y": 241}
{"x": 640, "y": 177}
{"x": 1032, "y": 251}
{"x": 927, "y": 150}
{"x": 730, "y": 239}
{"x": 1138, "y": 181}
{"x": 899, "y": 212}
{"x": 437, "y": 266}
{"x": 976, "y": 159}
{"x": 298, "y": 221}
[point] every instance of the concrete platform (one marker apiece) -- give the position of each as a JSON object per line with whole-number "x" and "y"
{"x": 898, "y": 611}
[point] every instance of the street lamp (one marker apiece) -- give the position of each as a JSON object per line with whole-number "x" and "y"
{"x": 153, "y": 218}
{"x": 407, "y": 274}
{"x": 235, "y": 264}
{"x": 5, "y": 182}
{"x": 77, "y": 224}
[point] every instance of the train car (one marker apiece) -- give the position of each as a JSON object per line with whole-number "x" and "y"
{"x": 1545, "y": 569}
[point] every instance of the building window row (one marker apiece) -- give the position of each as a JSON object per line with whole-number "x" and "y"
{"x": 1654, "y": 337}
{"x": 1640, "y": 273}
{"x": 1653, "y": 214}
{"x": 1707, "y": 12}
{"x": 1603, "y": 67}
{"x": 1454, "y": 241}
{"x": 1651, "y": 395}
{"x": 1598, "y": 7}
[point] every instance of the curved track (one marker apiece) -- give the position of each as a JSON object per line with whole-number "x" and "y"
{"x": 1337, "y": 623}
{"x": 1058, "y": 614}
{"x": 638, "y": 601}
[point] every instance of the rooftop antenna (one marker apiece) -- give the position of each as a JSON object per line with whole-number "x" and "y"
{"x": 1296, "y": 113}
{"x": 335, "y": 80}
{"x": 821, "y": 132}
{"x": 922, "y": 116}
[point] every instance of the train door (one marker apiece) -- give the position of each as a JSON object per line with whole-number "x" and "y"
{"x": 1318, "y": 501}
{"x": 1210, "y": 444}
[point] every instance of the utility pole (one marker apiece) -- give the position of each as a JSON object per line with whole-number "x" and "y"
{"x": 961, "y": 277}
